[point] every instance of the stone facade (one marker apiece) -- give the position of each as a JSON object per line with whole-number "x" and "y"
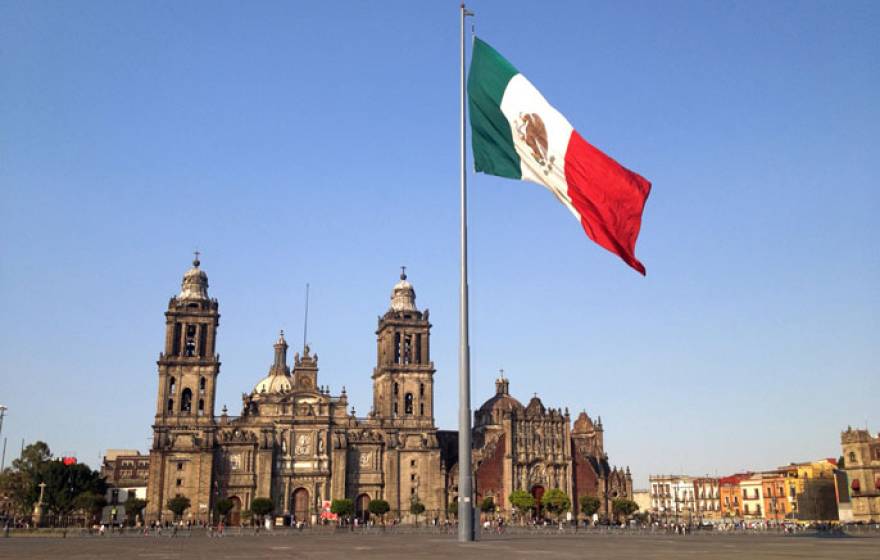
{"x": 861, "y": 467}
{"x": 300, "y": 446}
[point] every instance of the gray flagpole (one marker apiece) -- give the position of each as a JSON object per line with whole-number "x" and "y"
{"x": 465, "y": 471}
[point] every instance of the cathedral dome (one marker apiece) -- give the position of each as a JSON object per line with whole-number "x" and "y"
{"x": 501, "y": 400}
{"x": 274, "y": 384}
{"x": 195, "y": 283}
{"x": 403, "y": 296}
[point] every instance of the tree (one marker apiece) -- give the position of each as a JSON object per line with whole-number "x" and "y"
{"x": 342, "y": 508}
{"x": 522, "y": 503}
{"x": 178, "y": 505}
{"x": 133, "y": 507}
{"x": 380, "y": 508}
{"x": 17, "y": 487}
{"x": 262, "y": 507}
{"x": 90, "y": 504}
{"x": 622, "y": 507}
{"x": 487, "y": 505}
{"x": 33, "y": 458}
{"x": 64, "y": 483}
{"x": 589, "y": 505}
{"x": 556, "y": 502}
{"x": 452, "y": 509}
{"x": 416, "y": 508}
{"x": 19, "y": 483}
{"x": 223, "y": 506}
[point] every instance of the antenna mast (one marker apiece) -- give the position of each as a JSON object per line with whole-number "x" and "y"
{"x": 306, "y": 322}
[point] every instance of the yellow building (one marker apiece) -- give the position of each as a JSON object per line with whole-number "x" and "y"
{"x": 809, "y": 489}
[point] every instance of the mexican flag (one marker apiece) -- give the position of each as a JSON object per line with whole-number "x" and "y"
{"x": 517, "y": 134}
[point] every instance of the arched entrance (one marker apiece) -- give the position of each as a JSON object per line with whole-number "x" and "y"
{"x": 537, "y": 494}
{"x": 362, "y": 507}
{"x": 234, "y": 515}
{"x": 300, "y": 500}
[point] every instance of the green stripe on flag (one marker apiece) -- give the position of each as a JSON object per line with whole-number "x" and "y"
{"x": 491, "y": 138}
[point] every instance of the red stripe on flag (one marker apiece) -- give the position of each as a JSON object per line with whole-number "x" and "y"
{"x": 609, "y": 197}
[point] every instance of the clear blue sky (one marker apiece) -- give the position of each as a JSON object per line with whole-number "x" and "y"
{"x": 317, "y": 142}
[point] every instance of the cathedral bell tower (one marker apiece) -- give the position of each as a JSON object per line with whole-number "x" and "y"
{"x": 403, "y": 379}
{"x": 181, "y": 457}
{"x": 189, "y": 366}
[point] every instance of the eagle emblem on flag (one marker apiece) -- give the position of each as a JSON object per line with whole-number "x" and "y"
{"x": 531, "y": 131}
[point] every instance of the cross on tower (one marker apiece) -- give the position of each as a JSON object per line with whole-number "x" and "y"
{"x": 403, "y": 273}
{"x": 501, "y": 371}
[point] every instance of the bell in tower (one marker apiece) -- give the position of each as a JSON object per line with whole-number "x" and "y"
{"x": 403, "y": 379}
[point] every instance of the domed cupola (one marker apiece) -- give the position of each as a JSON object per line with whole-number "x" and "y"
{"x": 499, "y": 404}
{"x": 195, "y": 283}
{"x": 278, "y": 380}
{"x": 403, "y": 296}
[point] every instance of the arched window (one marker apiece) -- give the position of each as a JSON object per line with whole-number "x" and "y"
{"x": 190, "y": 343}
{"x": 172, "y": 386}
{"x": 421, "y": 389}
{"x": 396, "y": 389}
{"x": 186, "y": 401}
{"x": 396, "y": 348}
{"x": 408, "y": 404}
{"x": 201, "y": 406}
{"x": 852, "y": 457}
{"x": 202, "y": 386}
{"x": 170, "y": 405}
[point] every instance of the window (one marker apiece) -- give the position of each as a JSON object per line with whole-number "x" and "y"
{"x": 170, "y": 405}
{"x": 852, "y": 457}
{"x": 757, "y": 494}
{"x": 172, "y": 386}
{"x": 412, "y": 477}
{"x": 412, "y": 463}
{"x": 407, "y": 349}
{"x": 186, "y": 401}
{"x": 175, "y": 345}
{"x": 418, "y": 348}
{"x": 203, "y": 339}
{"x": 408, "y": 404}
{"x": 421, "y": 389}
{"x": 190, "y": 344}
{"x": 396, "y": 348}
{"x": 421, "y": 409}
{"x": 201, "y": 407}
{"x": 202, "y": 384}
{"x": 394, "y": 408}
{"x": 180, "y": 466}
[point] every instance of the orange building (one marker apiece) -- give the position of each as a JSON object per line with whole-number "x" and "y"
{"x": 730, "y": 496}
{"x": 777, "y": 504}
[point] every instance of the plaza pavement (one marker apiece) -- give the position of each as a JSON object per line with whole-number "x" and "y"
{"x": 348, "y": 546}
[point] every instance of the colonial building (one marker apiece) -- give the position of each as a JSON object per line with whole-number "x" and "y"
{"x": 535, "y": 448}
{"x": 126, "y": 472}
{"x": 299, "y": 445}
{"x": 861, "y": 466}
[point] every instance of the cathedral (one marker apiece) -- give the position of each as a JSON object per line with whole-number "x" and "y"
{"x": 302, "y": 447}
